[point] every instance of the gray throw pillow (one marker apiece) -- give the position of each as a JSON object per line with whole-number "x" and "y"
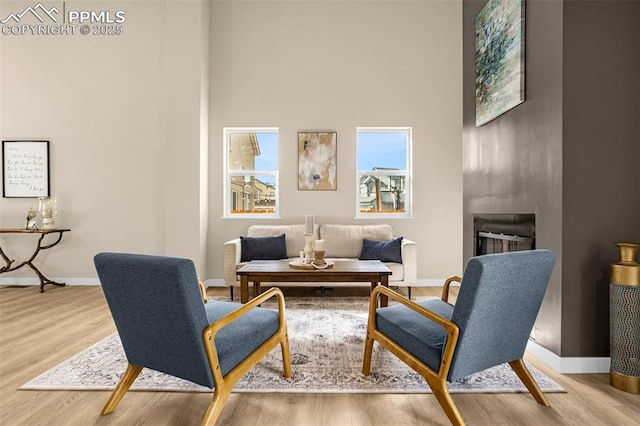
{"x": 263, "y": 248}
{"x": 384, "y": 251}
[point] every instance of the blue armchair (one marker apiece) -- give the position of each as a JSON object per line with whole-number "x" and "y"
{"x": 497, "y": 304}
{"x": 158, "y": 309}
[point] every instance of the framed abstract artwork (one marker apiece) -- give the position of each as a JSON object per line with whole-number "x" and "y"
{"x": 25, "y": 169}
{"x": 317, "y": 158}
{"x": 499, "y": 58}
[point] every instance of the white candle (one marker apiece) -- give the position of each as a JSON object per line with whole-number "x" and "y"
{"x": 319, "y": 245}
{"x": 308, "y": 224}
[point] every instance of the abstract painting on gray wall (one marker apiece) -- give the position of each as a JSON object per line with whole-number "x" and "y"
{"x": 317, "y": 166}
{"x": 499, "y": 58}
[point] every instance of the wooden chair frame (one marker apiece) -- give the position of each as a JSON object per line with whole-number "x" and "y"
{"x": 223, "y": 384}
{"x": 437, "y": 380}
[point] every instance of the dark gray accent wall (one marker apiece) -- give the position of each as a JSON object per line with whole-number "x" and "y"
{"x": 570, "y": 154}
{"x": 601, "y": 167}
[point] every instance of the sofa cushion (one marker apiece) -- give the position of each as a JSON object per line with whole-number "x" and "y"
{"x": 346, "y": 240}
{"x": 294, "y": 235}
{"x": 384, "y": 251}
{"x": 263, "y": 248}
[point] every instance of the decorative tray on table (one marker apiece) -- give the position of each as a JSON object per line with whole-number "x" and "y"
{"x": 301, "y": 265}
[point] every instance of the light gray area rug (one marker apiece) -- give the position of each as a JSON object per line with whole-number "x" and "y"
{"x": 326, "y": 336}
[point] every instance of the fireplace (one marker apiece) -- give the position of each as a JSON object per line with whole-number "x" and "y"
{"x": 503, "y": 232}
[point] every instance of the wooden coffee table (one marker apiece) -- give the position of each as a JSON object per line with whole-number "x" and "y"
{"x": 258, "y": 271}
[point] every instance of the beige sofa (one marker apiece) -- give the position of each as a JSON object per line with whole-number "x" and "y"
{"x": 341, "y": 242}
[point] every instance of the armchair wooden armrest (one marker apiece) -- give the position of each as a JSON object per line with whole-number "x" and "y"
{"x": 209, "y": 333}
{"x": 451, "y": 328}
{"x": 445, "y": 288}
{"x": 203, "y": 290}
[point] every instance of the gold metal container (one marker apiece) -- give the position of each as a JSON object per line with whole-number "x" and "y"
{"x": 624, "y": 310}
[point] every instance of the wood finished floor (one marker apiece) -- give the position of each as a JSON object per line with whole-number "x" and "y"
{"x": 37, "y": 331}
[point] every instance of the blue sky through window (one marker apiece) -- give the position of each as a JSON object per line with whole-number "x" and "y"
{"x": 268, "y": 158}
{"x": 382, "y": 149}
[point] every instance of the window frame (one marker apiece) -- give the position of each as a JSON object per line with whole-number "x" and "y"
{"x": 407, "y": 173}
{"x": 230, "y": 194}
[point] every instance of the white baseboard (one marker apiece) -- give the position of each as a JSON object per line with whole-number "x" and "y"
{"x": 218, "y": 282}
{"x": 212, "y": 282}
{"x": 569, "y": 365}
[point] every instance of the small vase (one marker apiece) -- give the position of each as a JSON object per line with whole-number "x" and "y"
{"x": 624, "y": 310}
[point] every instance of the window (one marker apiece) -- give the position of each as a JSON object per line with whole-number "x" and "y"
{"x": 384, "y": 171}
{"x": 251, "y": 169}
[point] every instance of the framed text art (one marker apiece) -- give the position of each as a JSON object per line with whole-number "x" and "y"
{"x": 499, "y": 58}
{"x": 317, "y": 168}
{"x": 25, "y": 169}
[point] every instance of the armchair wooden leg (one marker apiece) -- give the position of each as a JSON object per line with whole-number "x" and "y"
{"x": 220, "y": 397}
{"x": 443, "y": 396}
{"x": 525, "y": 375}
{"x": 286, "y": 357}
{"x": 129, "y": 376}
{"x": 368, "y": 351}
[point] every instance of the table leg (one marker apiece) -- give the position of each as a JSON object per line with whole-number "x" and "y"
{"x": 43, "y": 280}
{"x": 7, "y": 261}
{"x": 244, "y": 289}
{"x": 384, "y": 299}
{"x": 256, "y": 288}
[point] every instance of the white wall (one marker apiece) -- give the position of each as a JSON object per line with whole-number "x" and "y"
{"x": 134, "y": 135}
{"x": 338, "y": 65}
{"x": 122, "y": 114}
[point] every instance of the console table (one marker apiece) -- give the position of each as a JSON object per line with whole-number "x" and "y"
{"x": 40, "y": 246}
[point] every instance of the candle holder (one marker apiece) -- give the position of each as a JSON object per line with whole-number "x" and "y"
{"x": 318, "y": 258}
{"x": 308, "y": 247}
{"x": 48, "y": 211}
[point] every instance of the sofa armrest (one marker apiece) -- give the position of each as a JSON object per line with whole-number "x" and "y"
{"x": 231, "y": 255}
{"x": 409, "y": 252}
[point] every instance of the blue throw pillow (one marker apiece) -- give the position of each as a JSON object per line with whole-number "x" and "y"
{"x": 384, "y": 251}
{"x": 263, "y": 248}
